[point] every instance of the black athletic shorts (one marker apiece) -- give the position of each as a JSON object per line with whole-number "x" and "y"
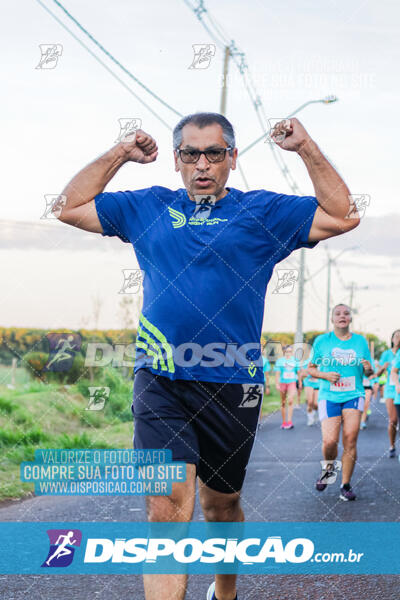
{"x": 209, "y": 424}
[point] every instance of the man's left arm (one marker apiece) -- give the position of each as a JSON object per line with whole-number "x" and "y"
{"x": 336, "y": 213}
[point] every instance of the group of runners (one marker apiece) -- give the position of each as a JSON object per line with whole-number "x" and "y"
{"x": 339, "y": 377}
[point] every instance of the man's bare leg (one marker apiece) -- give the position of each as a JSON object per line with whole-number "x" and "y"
{"x": 176, "y": 507}
{"x": 220, "y": 507}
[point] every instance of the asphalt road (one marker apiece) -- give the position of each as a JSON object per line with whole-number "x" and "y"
{"x": 279, "y": 486}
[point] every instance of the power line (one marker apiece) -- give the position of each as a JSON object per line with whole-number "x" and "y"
{"x": 111, "y": 57}
{"x": 98, "y": 59}
{"x": 342, "y": 283}
{"x": 316, "y": 294}
{"x": 239, "y": 59}
{"x": 124, "y": 69}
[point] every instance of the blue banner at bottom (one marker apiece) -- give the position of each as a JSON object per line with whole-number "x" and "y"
{"x": 268, "y": 548}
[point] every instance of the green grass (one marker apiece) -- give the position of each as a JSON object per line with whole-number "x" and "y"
{"x": 21, "y": 375}
{"x": 272, "y": 402}
{"x": 35, "y": 415}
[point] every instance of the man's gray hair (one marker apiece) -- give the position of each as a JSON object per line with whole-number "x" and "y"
{"x": 202, "y": 119}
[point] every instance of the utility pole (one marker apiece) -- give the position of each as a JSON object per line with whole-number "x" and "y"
{"x": 354, "y": 287}
{"x": 224, "y": 92}
{"x": 328, "y": 294}
{"x": 351, "y": 287}
{"x": 298, "y": 338}
{"x": 329, "y": 264}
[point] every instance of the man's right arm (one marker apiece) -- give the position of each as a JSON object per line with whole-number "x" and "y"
{"x": 79, "y": 209}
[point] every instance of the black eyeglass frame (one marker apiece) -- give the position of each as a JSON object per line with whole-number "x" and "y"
{"x": 200, "y": 152}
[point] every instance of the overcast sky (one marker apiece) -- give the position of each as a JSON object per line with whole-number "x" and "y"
{"x": 54, "y": 121}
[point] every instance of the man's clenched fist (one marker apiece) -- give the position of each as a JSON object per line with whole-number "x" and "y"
{"x": 139, "y": 147}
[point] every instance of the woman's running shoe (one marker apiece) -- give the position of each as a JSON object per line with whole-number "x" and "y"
{"x": 347, "y": 494}
{"x": 210, "y": 593}
{"x": 322, "y": 482}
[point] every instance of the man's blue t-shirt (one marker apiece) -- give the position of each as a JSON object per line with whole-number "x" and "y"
{"x": 287, "y": 369}
{"x": 205, "y": 275}
{"x": 329, "y": 353}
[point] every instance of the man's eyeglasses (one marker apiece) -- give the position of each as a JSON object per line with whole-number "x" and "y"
{"x": 213, "y": 156}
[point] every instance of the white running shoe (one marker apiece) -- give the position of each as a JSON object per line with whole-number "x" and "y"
{"x": 310, "y": 418}
{"x": 316, "y": 417}
{"x": 210, "y": 592}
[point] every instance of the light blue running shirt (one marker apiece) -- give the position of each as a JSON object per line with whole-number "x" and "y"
{"x": 396, "y": 364}
{"x": 329, "y": 353}
{"x": 309, "y": 381}
{"x": 266, "y": 366}
{"x": 287, "y": 369}
{"x": 389, "y": 390}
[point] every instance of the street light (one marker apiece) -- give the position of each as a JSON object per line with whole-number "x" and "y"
{"x": 326, "y": 100}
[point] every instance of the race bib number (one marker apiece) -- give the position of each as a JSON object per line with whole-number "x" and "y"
{"x": 345, "y": 384}
{"x": 288, "y": 374}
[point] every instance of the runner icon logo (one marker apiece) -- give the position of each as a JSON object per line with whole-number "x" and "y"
{"x": 62, "y": 350}
{"x": 203, "y": 54}
{"x": 204, "y": 204}
{"x": 62, "y": 547}
{"x": 50, "y": 53}
{"x": 133, "y": 281}
{"x": 252, "y": 394}
{"x": 127, "y": 129}
{"x": 286, "y": 281}
{"x": 98, "y": 397}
